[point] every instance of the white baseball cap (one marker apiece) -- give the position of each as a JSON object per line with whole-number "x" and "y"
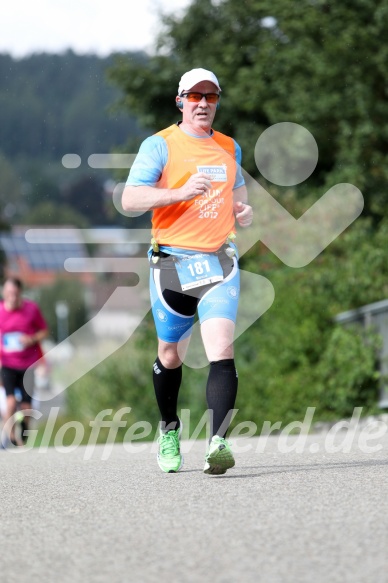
{"x": 191, "y": 78}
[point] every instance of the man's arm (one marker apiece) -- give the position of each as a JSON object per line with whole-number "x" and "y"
{"x": 144, "y": 198}
{"x": 41, "y": 330}
{"x": 30, "y": 340}
{"x": 141, "y": 192}
{"x": 241, "y": 208}
{"x": 240, "y": 194}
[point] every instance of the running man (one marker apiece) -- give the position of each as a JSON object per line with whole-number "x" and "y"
{"x": 189, "y": 175}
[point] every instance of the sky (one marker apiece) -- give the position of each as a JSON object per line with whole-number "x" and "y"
{"x": 85, "y": 26}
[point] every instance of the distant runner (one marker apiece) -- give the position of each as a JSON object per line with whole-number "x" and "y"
{"x": 22, "y": 328}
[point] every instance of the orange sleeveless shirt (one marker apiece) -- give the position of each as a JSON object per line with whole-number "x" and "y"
{"x": 204, "y": 222}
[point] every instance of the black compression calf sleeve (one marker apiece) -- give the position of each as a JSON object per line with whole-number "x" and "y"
{"x": 167, "y": 382}
{"x": 221, "y": 392}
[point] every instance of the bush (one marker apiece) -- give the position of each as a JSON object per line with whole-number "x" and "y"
{"x": 295, "y": 356}
{"x": 347, "y": 371}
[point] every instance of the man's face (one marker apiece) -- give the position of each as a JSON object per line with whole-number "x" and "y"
{"x": 11, "y": 294}
{"x": 200, "y": 115}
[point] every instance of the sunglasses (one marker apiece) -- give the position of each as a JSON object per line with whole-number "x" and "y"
{"x": 196, "y": 97}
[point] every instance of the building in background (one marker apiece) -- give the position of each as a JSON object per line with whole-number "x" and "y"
{"x": 37, "y": 256}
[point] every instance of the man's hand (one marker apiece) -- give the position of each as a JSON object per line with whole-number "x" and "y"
{"x": 198, "y": 184}
{"x": 244, "y": 213}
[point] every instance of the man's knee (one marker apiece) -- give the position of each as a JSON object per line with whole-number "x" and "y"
{"x": 168, "y": 354}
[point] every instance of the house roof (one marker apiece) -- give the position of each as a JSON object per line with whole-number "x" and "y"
{"x": 47, "y": 253}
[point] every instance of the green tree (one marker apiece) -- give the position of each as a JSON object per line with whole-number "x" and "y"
{"x": 11, "y": 190}
{"x": 50, "y": 213}
{"x": 322, "y": 65}
{"x": 86, "y": 196}
{"x": 52, "y": 105}
{"x": 296, "y": 355}
{"x": 64, "y": 104}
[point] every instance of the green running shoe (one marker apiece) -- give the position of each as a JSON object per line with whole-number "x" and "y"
{"x": 170, "y": 459}
{"x": 219, "y": 457}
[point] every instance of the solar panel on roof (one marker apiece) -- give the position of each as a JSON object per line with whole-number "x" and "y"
{"x": 47, "y": 256}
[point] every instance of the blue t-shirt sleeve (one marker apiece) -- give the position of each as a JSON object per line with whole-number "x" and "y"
{"x": 149, "y": 163}
{"x": 239, "y": 177}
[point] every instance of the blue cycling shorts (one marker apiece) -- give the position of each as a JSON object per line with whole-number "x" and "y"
{"x": 174, "y": 310}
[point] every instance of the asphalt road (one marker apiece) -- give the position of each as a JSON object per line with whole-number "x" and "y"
{"x": 314, "y": 515}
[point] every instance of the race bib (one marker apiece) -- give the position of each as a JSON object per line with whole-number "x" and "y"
{"x": 12, "y": 343}
{"x": 199, "y": 269}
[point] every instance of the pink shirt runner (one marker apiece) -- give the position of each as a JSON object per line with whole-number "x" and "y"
{"x": 28, "y": 320}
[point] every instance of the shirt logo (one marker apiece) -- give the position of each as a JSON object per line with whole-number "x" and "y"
{"x": 232, "y": 291}
{"x": 216, "y": 173}
{"x": 161, "y": 315}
